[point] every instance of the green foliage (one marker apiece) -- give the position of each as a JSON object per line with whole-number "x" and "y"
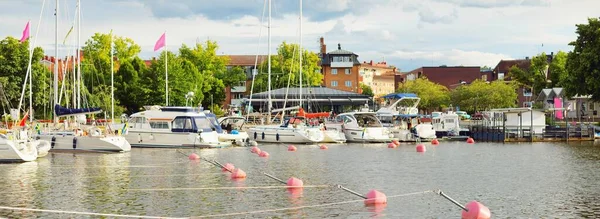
{"x": 558, "y": 70}
{"x": 486, "y": 68}
{"x": 285, "y": 65}
{"x": 433, "y": 95}
{"x": 480, "y": 95}
{"x": 535, "y": 76}
{"x": 232, "y": 77}
{"x": 366, "y": 90}
{"x": 583, "y": 63}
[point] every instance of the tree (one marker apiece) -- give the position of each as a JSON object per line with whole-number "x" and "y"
{"x": 583, "y": 63}
{"x": 285, "y": 67}
{"x": 486, "y": 68}
{"x": 433, "y": 95}
{"x": 535, "y": 76}
{"x": 366, "y": 90}
{"x": 557, "y": 70}
{"x": 482, "y": 95}
{"x": 232, "y": 77}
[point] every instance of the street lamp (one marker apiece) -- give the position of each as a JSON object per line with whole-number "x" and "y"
{"x": 189, "y": 97}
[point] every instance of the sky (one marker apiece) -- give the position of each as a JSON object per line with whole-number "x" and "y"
{"x": 405, "y": 33}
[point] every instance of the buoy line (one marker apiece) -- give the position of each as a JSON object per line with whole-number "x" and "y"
{"x": 221, "y": 188}
{"x": 79, "y": 212}
{"x": 133, "y": 176}
{"x": 304, "y": 206}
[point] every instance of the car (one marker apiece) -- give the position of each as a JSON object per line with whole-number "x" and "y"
{"x": 477, "y": 116}
{"x": 463, "y": 115}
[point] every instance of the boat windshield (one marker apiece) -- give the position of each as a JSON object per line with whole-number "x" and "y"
{"x": 367, "y": 120}
{"x": 203, "y": 123}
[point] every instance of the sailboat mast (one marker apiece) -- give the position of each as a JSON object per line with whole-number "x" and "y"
{"x": 79, "y": 54}
{"x": 300, "y": 53}
{"x": 112, "y": 80}
{"x": 166, "y": 72}
{"x": 55, "y": 62}
{"x": 270, "y": 104}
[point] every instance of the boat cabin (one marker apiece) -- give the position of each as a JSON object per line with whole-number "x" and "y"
{"x": 356, "y": 120}
{"x": 192, "y": 124}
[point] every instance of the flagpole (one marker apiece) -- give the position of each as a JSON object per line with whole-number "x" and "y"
{"x": 79, "y": 54}
{"x": 31, "y": 76}
{"x": 166, "y": 72}
{"x": 55, "y": 64}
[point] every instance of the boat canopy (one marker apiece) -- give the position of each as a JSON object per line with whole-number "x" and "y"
{"x": 399, "y": 95}
{"x": 63, "y": 111}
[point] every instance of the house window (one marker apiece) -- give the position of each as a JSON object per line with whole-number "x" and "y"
{"x": 348, "y": 83}
{"x": 484, "y": 77}
{"x": 347, "y": 71}
{"x": 500, "y": 76}
{"x": 334, "y": 83}
{"x": 334, "y": 71}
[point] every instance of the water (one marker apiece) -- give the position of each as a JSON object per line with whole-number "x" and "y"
{"x": 539, "y": 180}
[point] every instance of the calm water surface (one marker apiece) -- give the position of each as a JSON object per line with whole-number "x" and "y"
{"x": 539, "y": 180}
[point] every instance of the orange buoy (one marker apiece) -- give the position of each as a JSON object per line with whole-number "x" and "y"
{"x": 392, "y": 145}
{"x": 375, "y": 197}
{"x": 294, "y": 182}
{"x": 421, "y": 148}
{"x": 292, "y": 148}
{"x": 263, "y": 154}
{"x": 476, "y": 211}
{"x": 323, "y": 147}
{"x": 435, "y": 141}
{"x": 238, "y": 173}
{"x": 194, "y": 156}
{"x": 255, "y": 150}
{"x": 228, "y": 167}
{"x": 470, "y": 140}
{"x": 396, "y": 142}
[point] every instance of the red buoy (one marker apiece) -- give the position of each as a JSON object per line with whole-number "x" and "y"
{"x": 375, "y": 197}
{"x": 228, "y": 167}
{"x": 396, "y": 142}
{"x": 392, "y": 145}
{"x": 294, "y": 182}
{"x": 238, "y": 173}
{"x": 323, "y": 147}
{"x": 255, "y": 150}
{"x": 292, "y": 148}
{"x": 194, "y": 156}
{"x": 263, "y": 154}
{"x": 470, "y": 140}
{"x": 476, "y": 211}
{"x": 421, "y": 148}
{"x": 435, "y": 141}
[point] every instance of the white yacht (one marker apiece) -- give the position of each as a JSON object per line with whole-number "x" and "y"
{"x": 16, "y": 145}
{"x": 293, "y": 130}
{"x": 361, "y": 127}
{"x": 447, "y": 125}
{"x": 402, "y": 116}
{"x": 172, "y": 127}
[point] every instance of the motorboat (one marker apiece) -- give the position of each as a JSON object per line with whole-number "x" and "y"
{"x": 78, "y": 136}
{"x": 158, "y": 126}
{"x": 401, "y": 114}
{"x": 361, "y": 127}
{"x": 293, "y": 130}
{"x": 318, "y": 119}
{"x": 230, "y": 128}
{"x": 16, "y": 146}
{"x": 447, "y": 125}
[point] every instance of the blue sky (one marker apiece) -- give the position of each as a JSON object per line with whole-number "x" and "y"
{"x": 404, "y": 33}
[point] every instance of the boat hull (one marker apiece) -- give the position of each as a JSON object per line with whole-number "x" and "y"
{"x": 334, "y": 136}
{"x": 69, "y": 141}
{"x": 278, "y": 134}
{"x": 174, "y": 139}
{"x": 18, "y": 150}
{"x": 368, "y": 135}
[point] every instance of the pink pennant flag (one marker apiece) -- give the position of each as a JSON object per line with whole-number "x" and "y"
{"x": 160, "y": 43}
{"x": 25, "y": 33}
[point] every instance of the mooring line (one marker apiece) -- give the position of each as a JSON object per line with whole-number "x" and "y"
{"x": 79, "y": 212}
{"x": 117, "y": 166}
{"x": 305, "y": 206}
{"x": 134, "y": 176}
{"x": 228, "y": 188}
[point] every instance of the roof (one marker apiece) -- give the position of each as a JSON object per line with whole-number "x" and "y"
{"x": 400, "y": 95}
{"x": 550, "y": 93}
{"x": 310, "y": 91}
{"x": 245, "y": 60}
{"x": 340, "y": 51}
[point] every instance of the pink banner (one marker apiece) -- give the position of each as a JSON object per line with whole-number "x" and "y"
{"x": 558, "y": 104}
{"x": 160, "y": 43}
{"x": 25, "y": 33}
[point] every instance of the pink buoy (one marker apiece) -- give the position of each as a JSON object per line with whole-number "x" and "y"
{"x": 238, "y": 173}
{"x": 421, "y": 148}
{"x": 476, "y": 211}
{"x": 194, "y": 156}
{"x": 263, "y": 154}
{"x": 255, "y": 150}
{"x": 228, "y": 167}
{"x": 323, "y": 147}
{"x": 470, "y": 140}
{"x": 392, "y": 145}
{"x": 294, "y": 182}
{"x": 292, "y": 148}
{"x": 375, "y": 197}
{"x": 435, "y": 142}
{"x": 396, "y": 142}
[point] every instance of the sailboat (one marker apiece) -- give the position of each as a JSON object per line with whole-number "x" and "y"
{"x": 293, "y": 130}
{"x": 78, "y": 137}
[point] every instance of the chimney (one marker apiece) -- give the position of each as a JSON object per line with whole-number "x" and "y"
{"x": 371, "y": 62}
{"x": 339, "y": 46}
{"x": 323, "y": 46}
{"x": 526, "y": 57}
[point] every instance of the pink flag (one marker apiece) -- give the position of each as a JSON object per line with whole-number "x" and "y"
{"x": 160, "y": 43}
{"x": 25, "y": 33}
